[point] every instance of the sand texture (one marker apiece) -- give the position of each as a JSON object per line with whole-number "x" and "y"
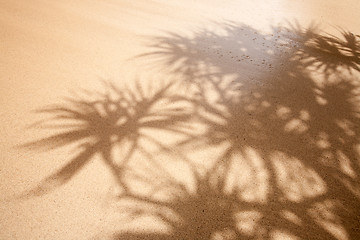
{"x": 191, "y": 119}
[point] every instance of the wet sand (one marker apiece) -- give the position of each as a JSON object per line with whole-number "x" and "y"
{"x": 267, "y": 97}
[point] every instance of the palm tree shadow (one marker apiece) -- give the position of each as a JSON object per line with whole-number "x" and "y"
{"x": 116, "y": 117}
{"x": 290, "y": 161}
{"x": 302, "y": 127}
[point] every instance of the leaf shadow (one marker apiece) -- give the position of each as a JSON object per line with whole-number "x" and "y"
{"x": 116, "y": 117}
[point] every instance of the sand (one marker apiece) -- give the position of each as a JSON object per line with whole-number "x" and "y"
{"x": 268, "y": 111}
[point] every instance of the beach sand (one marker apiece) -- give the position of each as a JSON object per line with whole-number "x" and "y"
{"x": 270, "y": 86}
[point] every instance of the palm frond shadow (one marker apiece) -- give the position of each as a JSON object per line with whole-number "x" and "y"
{"x": 289, "y": 160}
{"x": 118, "y": 116}
{"x": 330, "y": 52}
{"x": 299, "y": 131}
{"x": 215, "y": 208}
{"x": 238, "y": 44}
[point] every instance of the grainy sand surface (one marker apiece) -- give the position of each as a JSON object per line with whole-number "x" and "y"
{"x": 263, "y": 106}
